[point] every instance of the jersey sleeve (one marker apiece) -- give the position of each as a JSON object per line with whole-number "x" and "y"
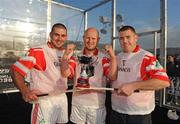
{"x": 34, "y": 59}
{"x": 106, "y": 65}
{"x": 151, "y": 68}
{"x": 72, "y": 66}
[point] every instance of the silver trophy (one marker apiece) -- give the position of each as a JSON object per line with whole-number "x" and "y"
{"x": 87, "y": 70}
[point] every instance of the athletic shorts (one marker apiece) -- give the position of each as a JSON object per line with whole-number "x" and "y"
{"x": 82, "y": 115}
{"x": 50, "y": 110}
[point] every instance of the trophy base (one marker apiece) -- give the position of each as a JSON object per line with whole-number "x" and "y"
{"x": 83, "y": 82}
{"x": 83, "y": 85}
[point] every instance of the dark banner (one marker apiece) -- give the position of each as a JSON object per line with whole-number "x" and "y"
{"x": 6, "y": 82}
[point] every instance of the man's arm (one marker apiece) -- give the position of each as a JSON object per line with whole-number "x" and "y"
{"x": 112, "y": 72}
{"x": 153, "y": 77}
{"x": 65, "y": 70}
{"x": 113, "y": 69}
{"x": 19, "y": 81}
{"x": 67, "y": 62}
{"x": 23, "y": 66}
{"x": 151, "y": 84}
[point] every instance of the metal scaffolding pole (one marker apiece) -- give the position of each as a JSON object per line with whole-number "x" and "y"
{"x": 163, "y": 42}
{"x": 85, "y": 20}
{"x": 48, "y": 19}
{"x": 113, "y": 35}
{"x": 155, "y": 43}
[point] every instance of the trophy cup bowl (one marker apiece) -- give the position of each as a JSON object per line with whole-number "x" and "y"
{"x": 84, "y": 59}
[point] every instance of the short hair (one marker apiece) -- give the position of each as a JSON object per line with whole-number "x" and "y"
{"x": 127, "y": 27}
{"x": 58, "y": 25}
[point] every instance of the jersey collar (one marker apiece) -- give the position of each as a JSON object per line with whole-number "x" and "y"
{"x": 136, "y": 49}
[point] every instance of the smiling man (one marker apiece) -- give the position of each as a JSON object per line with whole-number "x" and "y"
{"x": 89, "y": 106}
{"x": 43, "y": 65}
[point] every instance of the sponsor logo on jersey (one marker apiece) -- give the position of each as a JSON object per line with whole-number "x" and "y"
{"x": 123, "y": 68}
{"x": 57, "y": 63}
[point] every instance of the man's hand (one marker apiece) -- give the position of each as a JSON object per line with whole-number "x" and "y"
{"x": 65, "y": 71}
{"x": 126, "y": 89}
{"x": 31, "y": 95}
{"x": 69, "y": 51}
{"x": 109, "y": 50}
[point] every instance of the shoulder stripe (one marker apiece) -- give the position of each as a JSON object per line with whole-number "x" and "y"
{"x": 29, "y": 59}
{"x": 21, "y": 67}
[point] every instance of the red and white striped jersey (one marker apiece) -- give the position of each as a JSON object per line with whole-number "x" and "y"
{"x": 43, "y": 65}
{"x": 136, "y": 66}
{"x": 93, "y": 99}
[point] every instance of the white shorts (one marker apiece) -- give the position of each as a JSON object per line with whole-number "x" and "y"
{"x": 87, "y": 115}
{"x": 50, "y": 110}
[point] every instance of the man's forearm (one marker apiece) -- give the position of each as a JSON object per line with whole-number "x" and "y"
{"x": 113, "y": 69}
{"x": 151, "y": 84}
{"x": 65, "y": 69}
{"x": 19, "y": 82}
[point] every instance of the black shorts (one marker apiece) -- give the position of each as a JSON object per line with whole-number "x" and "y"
{"x": 119, "y": 118}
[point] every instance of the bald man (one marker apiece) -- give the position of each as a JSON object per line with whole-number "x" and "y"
{"x": 88, "y": 106}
